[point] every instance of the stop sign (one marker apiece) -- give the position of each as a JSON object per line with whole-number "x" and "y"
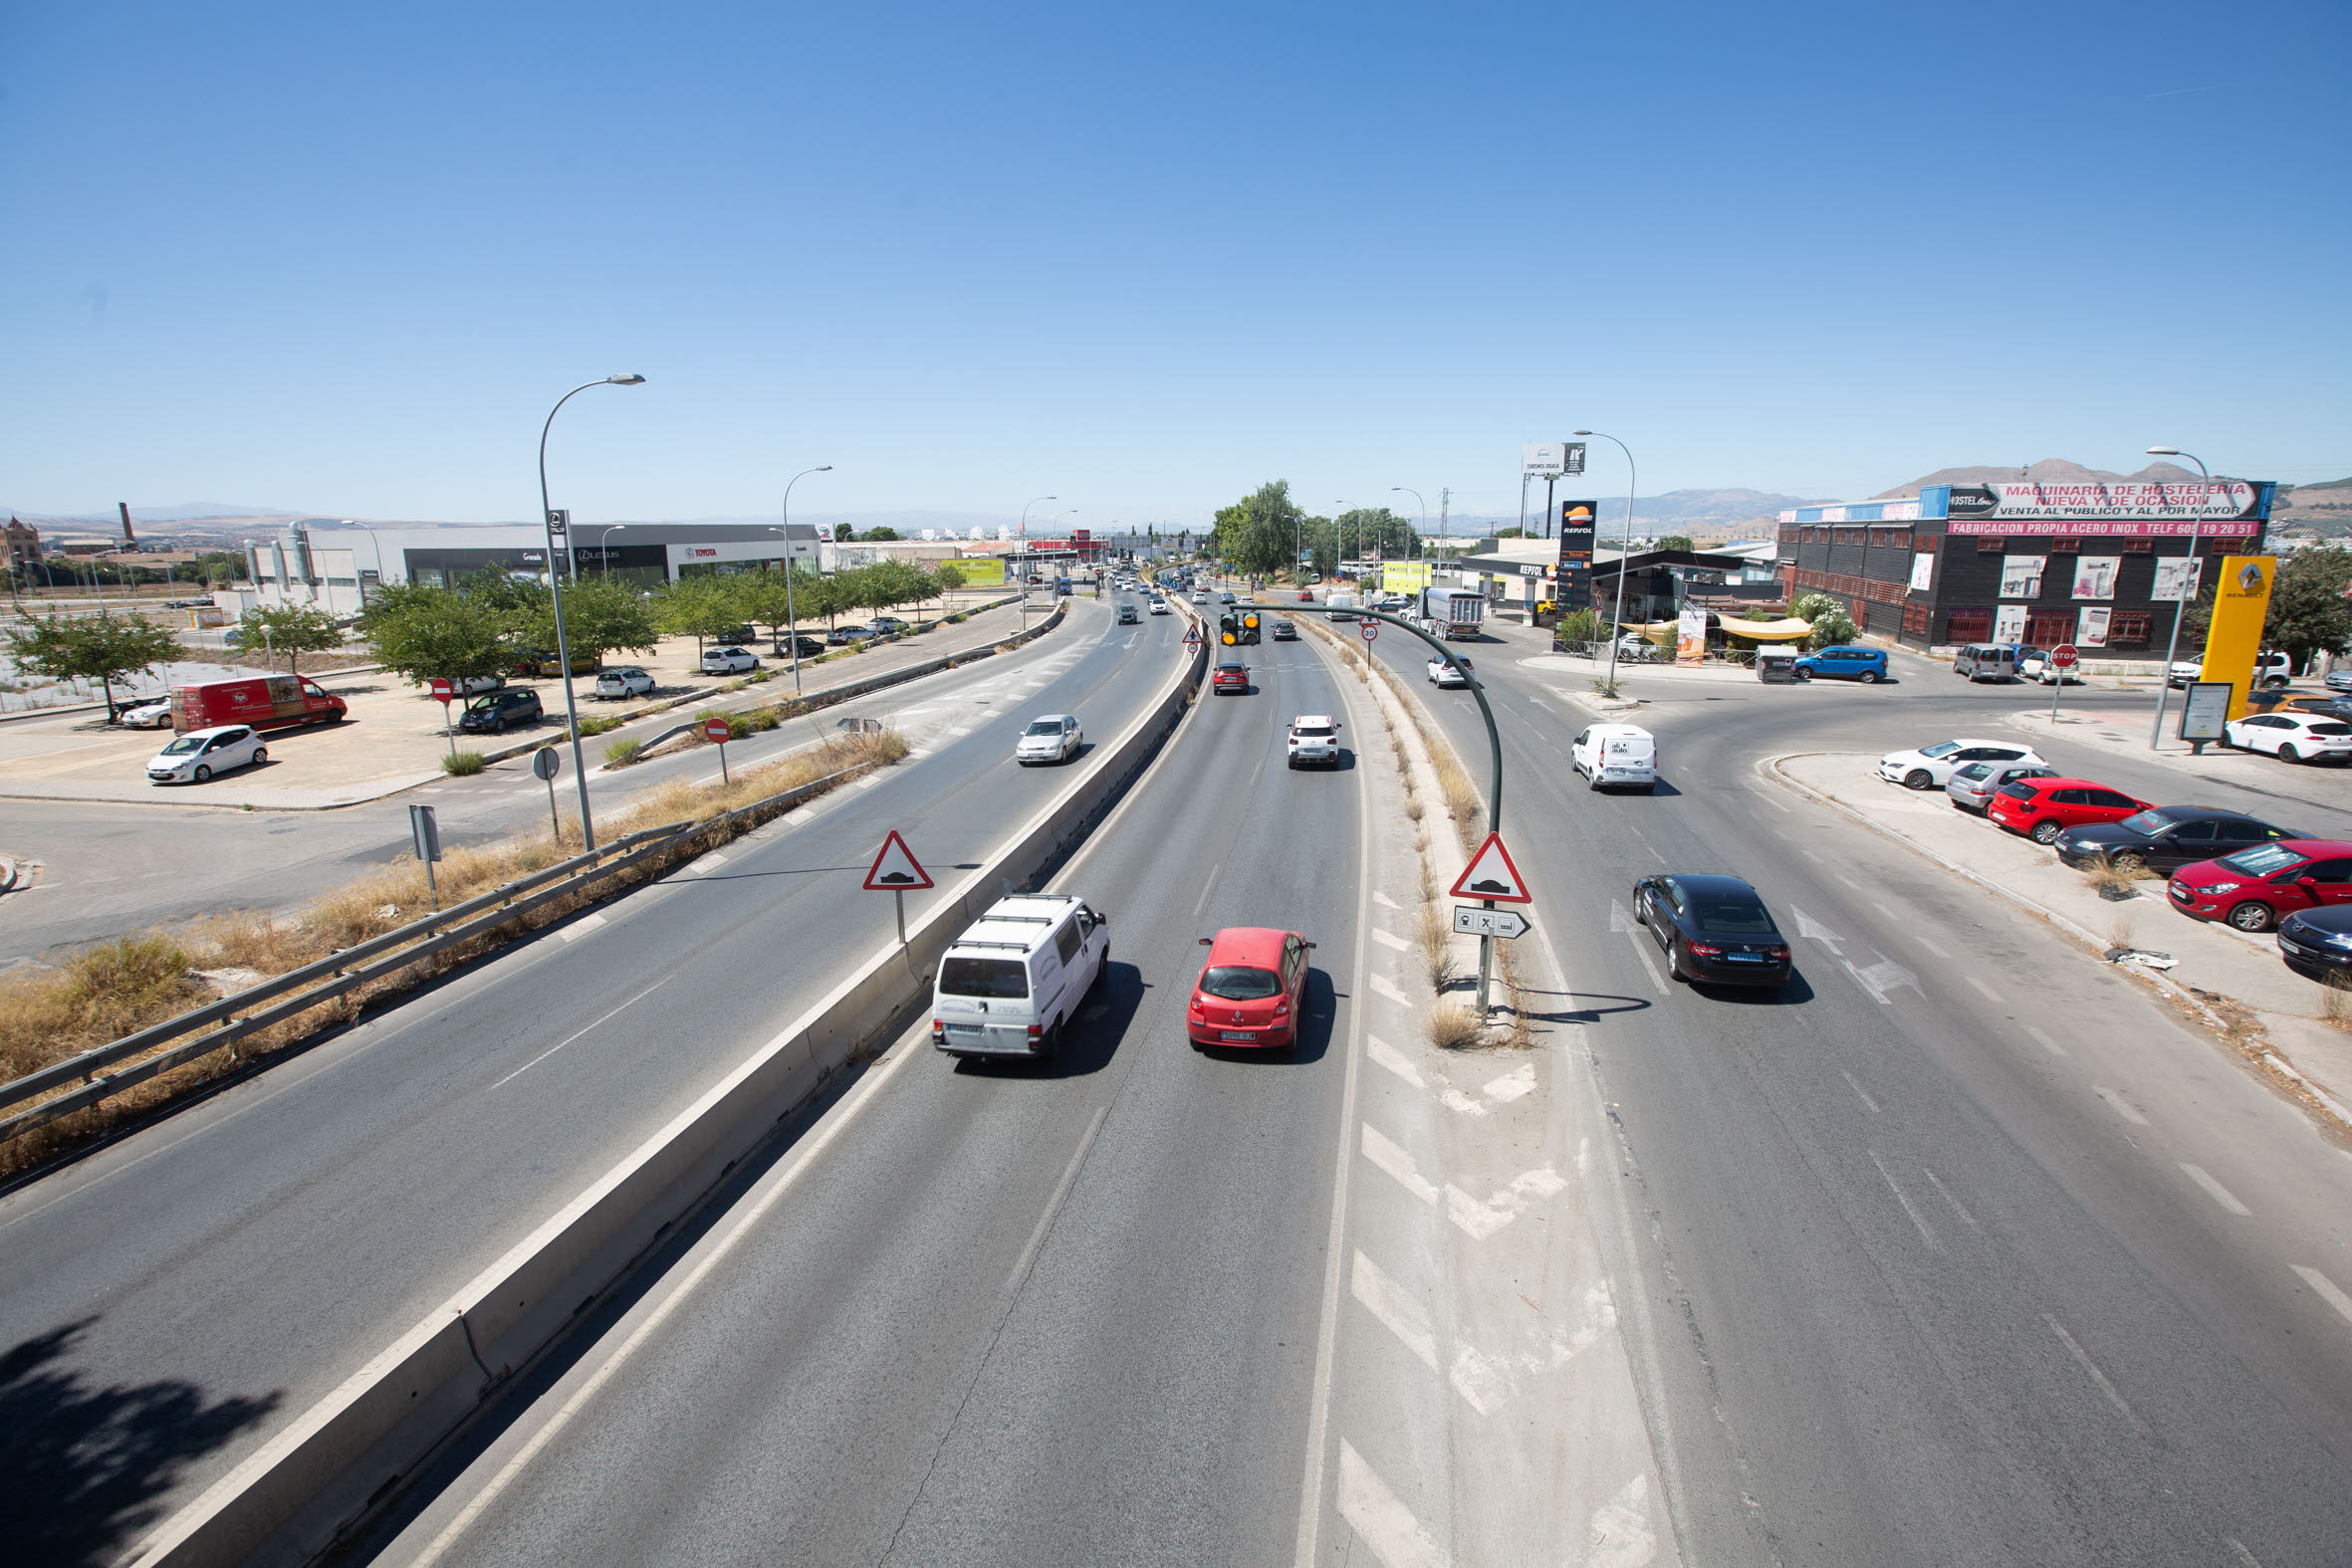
{"x": 2063, "y": 656}
{"x": 716, "y": 729}
{"x": 442, "y": 689}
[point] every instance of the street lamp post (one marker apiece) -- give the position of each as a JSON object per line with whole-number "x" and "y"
{"x": 1624, "y": 551}
{"x": 603, "y": 557}
{"x": 2172, "y": 648}
{"x": 791, "y": 619}
{"x": 555, "y": 584}
{"x": 1424, "y": 506}
{"x": 1021, "y": 553}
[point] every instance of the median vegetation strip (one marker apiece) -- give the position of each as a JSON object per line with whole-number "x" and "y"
{"x": 142, "y": 981}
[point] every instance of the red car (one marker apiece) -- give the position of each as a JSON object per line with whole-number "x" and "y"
{"x": 2043, "y": 809}
{"x": 1251, "y": 990}
{"x": 1233, "y": 678}
{"x": 1304, "y": 598}
{"x": 2252, "y": 888}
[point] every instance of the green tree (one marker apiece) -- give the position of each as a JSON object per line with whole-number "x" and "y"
{"x": 104, "y": 649}
{"x": 291, "y": 629}
{"x": 219, "y": 566}
{"x": 702, "y": 607}
{"x": 1672, "y": 541}
{"x": 426, "y": 632}
{"x": 842, "y": 533}
{"x": 1829, "y": 620}
{"x": 1513, "y": 532}
{"x": 1259, "y": 534}
{"x": 2309, "y": 611}
{"x": 878, "y": 536}
{"x": 600, "y": 616}
{"x": 949, "y": 578}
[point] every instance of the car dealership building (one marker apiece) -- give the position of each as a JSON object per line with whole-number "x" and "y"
{"x": 2098, "y": 565}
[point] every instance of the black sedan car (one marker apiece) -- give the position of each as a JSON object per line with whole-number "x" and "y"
{"x": 808, "y": 647}
{"x": 492, "y": 713}
{"x": 1284, "y": 632}
{"x": 2166, "y": 839}
{"x": 2317, "y": 944}
{"x": 1714, "y": 929}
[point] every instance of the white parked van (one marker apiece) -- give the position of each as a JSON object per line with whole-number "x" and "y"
{"x": 1012, "y": 983}
{"x": 1617, "y": 755}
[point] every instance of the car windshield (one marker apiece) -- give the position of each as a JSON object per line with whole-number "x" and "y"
{"x": 1940, "y": 749}
{"x": 2264, "y": 859}
{"x": 1312, "y": 732}
{"x": 2329, "y": 728}
{"x": 2152, "y": 820}
{"x": 1739, "y": 916}
{"x": 1045, "y": 727}
{"x": 983, "y": 977}
{"x": 184, "y": 745}
{"x": 1239, "y": 982}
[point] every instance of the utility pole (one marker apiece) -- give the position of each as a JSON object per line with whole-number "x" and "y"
{"x": 1445, "y": 495}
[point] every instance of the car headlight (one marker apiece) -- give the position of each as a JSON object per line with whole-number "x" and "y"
{"x": 2340, "y": 939}
{"x": 2219, "y": 887}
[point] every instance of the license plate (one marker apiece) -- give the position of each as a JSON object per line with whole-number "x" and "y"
{"x": 1237, "y": 1034}
{"x": 2178, "y": 890}
{"x": 1745, "y": 957}
{"x": 966, "y": 1028}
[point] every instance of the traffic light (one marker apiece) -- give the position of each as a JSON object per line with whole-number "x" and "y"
{"x": 1249, "y": 627}
{"x": 1228, "y": 629}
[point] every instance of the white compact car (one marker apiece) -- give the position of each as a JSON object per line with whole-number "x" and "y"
{"x": 1444, "y": 673}
{"x": 2291, "y": 737}
{"x": 1011, "y": 985}
{"x": 1159, "y": 606}
{"x": 729, "y": 661}
{"x": 196, "y": 756}
{"x": 623, "y": 680}
{"x": 1617, "y": 755}
{"x": 1314, "y": 741}
{"x": 1930, "y": 767}
{"x": 1050, "y": 738}
{"x": 153, "y": 714}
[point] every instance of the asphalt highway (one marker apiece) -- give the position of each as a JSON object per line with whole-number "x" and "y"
{"x": 1964, "y": 1249}
{"x": 235, "y": 1261}
{"x": 1011, "y": 1315}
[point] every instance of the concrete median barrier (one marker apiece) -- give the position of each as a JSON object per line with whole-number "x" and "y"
{"x": 290, "y": 1501}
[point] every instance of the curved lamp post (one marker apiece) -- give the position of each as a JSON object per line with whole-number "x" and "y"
{"x": 1023, "y": 553}
{"x": 1625, "y": 547}
{"x": 2172, "y": 649}
{"x": 606, "y": 571}
{"x": 790, "y": 618}
{"x": 1423, "y": 505}
{"x": 555, "y": 584}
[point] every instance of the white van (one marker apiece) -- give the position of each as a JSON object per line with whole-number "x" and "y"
{"x": 1012, "y": 983}
{"x": 1617, "y": 755}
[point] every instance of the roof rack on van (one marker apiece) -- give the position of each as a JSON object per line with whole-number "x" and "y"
{"x": 1011, "y": 947}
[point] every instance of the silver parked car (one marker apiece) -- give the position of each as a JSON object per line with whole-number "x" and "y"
{"x": 623, "y": 680}
{"x": 1973, "y": 785}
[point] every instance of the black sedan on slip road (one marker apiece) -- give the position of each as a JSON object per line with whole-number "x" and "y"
{"x": 2165, "y": 838}
{"x": 1714, "y": 929}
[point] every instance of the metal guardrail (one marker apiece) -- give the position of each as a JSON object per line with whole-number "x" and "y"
{"x": 348, "y": 969}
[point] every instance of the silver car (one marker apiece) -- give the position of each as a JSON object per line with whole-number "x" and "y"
{"x": 1050, "y": 738}
{"x": 1973, "y": 785}
{"x": 625, "y": 679}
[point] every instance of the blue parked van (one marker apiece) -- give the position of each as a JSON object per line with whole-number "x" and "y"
{"x": 1867, "y": 665}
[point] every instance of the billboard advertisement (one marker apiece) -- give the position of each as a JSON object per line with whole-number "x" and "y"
{"x": 1552, "y": 459}
{"x": 1578, "y": 522}
{"x": 2242, "y": 602}
{"x": 980, "y": 572}
{"x": 2020, "y": 578}
{"x": 1923, "y": 571}
{"x": 2156, "y": 502}
{"x": 2094, "y": 577}
{"x": 2178, "y": 578}
{"x": 1405, "y": 576}
{"x": 1690, "y": 635}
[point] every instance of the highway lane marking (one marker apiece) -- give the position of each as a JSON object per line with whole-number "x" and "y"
{"x": 1768, "y": 799}
{"x": 2327, "y": 1291}
{"x": 1395, "y": 1060}
{"x": 1387, "y": 987}
{"x": 582, "y": 925}
{"x": 1649, "y": 966}
{"x": 1482, "y": 1219}
{"x": 1620, "y": 1535}
{"x": 1981, "y": 986}
{"x": 1206, "y": 887}
{"x": 658, "y": 1320}
{"x": 1925, "y": 1235}
{"x": 1519, "y": 1081}
{"x": 1885, "y": 909}
{"x": 550, "y": 1051}
{"x": 1945, "y": 1193}
{"x": 706, "y": 862}
{"x": 2213, "y": 1188}
{"x": 2119, "y": 1105}
{"x": 1385, "y": 901}
{"x": 2244, "y": 1557}
{"x": 1387, "y": 939}
{"x": 1393, "y": 1308}
{"x": 2044, "y": 1041}
{"x": 1847, "y": 880}
{"x": 1069, "y": 1176}
{"x": 1855, "y": 1084}
{"x": 1388, "y": 1155}
{"x": 2092, "y": 1367}
{"x": 1386, "y": 1526}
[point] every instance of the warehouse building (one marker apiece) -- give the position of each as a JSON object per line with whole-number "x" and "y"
{"x": 2099, "y": 565}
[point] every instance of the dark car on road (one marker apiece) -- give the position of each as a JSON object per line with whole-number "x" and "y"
{"x": 1712, "y": 929}
{"x": 494, "y": 713}
{"x": 2166, "y": 839}
{"x": 1284, "y": 632}
{"x": 2317, "y": 944}
{"x": 806, "y": 647}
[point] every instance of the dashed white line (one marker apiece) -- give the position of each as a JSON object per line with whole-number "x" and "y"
{"x": 1925, "y": 1235}
{"x": 1885, "y": 909}
{"x": 1394, "y": 1308}
{"x": 1386, "y": 1154}
{"x": 1860, "y": 1093}
{"x": 550, "y": 1050}
{"x": 1385, "y": 1525}
{"x": 2119, "y": 1105}
{"x": 1070, "y": 1175}
{"x": 1945, "y": 1193}
{"x": 2213, "y": 1188}
{"x": 2044, "y": 1041}
{"x": 2091, "y": 1367}
{"x": 1981, "y": 986}
{"x": 2327, "y": 1291}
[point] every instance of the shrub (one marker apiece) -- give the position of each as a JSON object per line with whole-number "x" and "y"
{"x": 1452, "y": 1027}
{"x": 756, "y": 676}
{"x": 623, "y": 752}
{"x": 599, "y": 726}
{"x": 761, "y": 720}
{"x": 463, "y": 765}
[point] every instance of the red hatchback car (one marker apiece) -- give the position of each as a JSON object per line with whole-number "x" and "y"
{"x": 1233, "y": 678}
{"x": 2252, "y": 888}
{"x": 2043, "y": 809}
{"x": 1251, "y": 990}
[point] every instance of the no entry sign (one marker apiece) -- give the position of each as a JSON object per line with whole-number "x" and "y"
{"x": 717, "y": 730}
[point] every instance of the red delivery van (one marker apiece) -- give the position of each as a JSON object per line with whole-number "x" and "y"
{"x": 265, "y": 702}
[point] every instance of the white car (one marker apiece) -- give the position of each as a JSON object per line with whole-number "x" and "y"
{"x": 729, "y": 661}
{"x": 196, "y": 756}
{"x": 2037, "y": 667}
{"x": 1159, "y": 606}
{"x": 2291, "y": 737}
{"x": 2183, "y": 671}
{"x": 623, "y": 680}
{"x": 1050, "y": 738}
{"x": 153, "y": 714}
{"x": 1930, "y": 767}
{"x": 1443, "y": 672}
{"x": 1313, "y": 742}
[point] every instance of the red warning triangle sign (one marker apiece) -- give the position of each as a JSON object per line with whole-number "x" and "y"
{"x": 894, "y": 870}
{"x": 1491, "y": 874}
{"x": 1192, "y": 637}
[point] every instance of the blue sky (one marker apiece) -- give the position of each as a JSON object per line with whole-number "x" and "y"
{"x": 344, "y": 258}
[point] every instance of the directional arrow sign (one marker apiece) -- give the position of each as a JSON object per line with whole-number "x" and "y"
{"x": 1472, "y": 921}
{"x": 894, "y": 870}
{"x": 1491, "y": 874}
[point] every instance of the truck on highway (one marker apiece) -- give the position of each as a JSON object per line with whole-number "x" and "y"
{"x": 266, "y": 702}
{"x": 1452, "y": 613}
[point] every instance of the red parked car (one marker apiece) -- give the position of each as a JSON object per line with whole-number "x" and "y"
{"x": 2043, "y": 809}
{"x": 1251, "y": 990}
{"x": 1233, "y": 678}
{"x": 2254, "y": 888}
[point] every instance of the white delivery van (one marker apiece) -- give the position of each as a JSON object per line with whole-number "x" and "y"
{"x": 1012, "y": 983}
{"x": 1617, "y": 755}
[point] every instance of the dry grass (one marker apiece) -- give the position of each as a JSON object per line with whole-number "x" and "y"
{"x": 1433, "y": 934}
{"x": 1462, "y": 801}
{"x": 2105, "y": 878}
{"x": 137, "y": 981}
{"x": 1452, "y": 1027}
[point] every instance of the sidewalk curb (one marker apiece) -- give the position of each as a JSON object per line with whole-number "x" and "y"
{"x": 2082, "y": 933}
